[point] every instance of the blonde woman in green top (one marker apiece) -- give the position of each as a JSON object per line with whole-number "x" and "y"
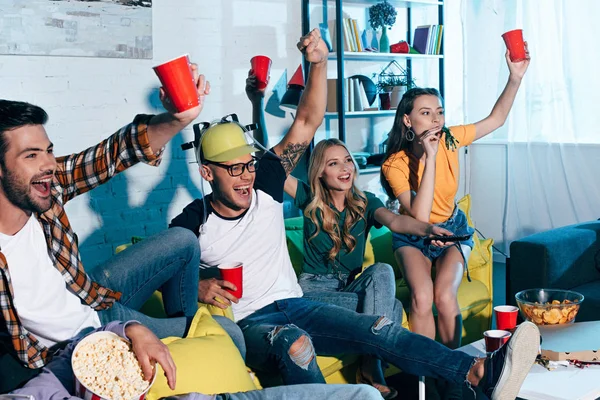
{"x": 337, "y": 220}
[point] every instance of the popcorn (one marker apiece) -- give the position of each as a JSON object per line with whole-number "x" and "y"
{"x": 105, "y": 364}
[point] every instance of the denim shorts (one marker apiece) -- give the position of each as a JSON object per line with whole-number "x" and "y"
{"x": 457, "y": 224}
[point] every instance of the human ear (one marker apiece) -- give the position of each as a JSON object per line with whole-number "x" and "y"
{"x": 406, "y": 120}
{"x": 206, "y": 173}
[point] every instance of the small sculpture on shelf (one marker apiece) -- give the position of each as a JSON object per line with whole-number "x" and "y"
{"x": 382, "y": 15}
{"x": 392, "y": 83}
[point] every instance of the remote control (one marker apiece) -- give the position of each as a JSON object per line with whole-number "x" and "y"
{"x": 453, "y": 238}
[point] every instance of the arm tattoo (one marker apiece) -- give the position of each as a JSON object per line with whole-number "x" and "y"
{"x": 291, "y": 154}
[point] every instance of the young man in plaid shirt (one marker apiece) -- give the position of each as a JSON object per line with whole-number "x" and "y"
{"x": 46, "y": 297}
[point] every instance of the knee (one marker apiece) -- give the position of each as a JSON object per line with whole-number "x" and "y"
{"x": 445, "y": 299}
{"x": 295, "y": 343}
{"x": 367, "y": 392}
{"x": 234, "y": 332}
{"x": 421, "y": 301}
{"x": 382, "y": 271}
{"x": 184, "y": 241}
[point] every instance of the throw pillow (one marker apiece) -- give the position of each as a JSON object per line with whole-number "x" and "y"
{"x": 207, "y": 362}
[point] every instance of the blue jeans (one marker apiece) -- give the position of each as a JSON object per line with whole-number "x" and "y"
{"x": 307, "y": 392}
{"x": 169, "y": 261}
{"x": 373, "y": 293}
{"x": 457, "y": 224}
{"x": 286, "y": 335}
{"x": 293, "y": 392}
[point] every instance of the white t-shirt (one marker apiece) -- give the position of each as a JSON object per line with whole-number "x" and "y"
{"x": 256, "y": 239}
{"x": 45, "y": 306}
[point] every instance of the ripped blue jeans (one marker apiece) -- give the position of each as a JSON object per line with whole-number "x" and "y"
{"x": 284, "y": 337}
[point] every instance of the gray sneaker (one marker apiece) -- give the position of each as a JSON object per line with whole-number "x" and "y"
{"x": 507, "y": 367}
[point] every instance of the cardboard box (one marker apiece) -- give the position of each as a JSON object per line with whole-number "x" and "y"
{"x": 578, "y": 341}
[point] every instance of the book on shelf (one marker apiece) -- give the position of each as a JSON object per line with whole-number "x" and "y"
{"x": 331, "y": 95}
{"x": 357, "y": 35}
{"x": 353, "y": 40}
{"x": 428, "y": 39}
{"x": 355, "y": 98}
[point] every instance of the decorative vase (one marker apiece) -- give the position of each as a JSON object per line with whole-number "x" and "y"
{"x": 374, "y": 43}
{"x": 396, "y": 96}
{"x": 384, "y": 101}
{"x": 384, "y": 41}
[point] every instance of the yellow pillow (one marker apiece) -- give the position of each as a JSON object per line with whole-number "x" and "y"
{"x": 478, "y": 255}
{"x": 207, "y": 362}
{"x": 369, "y": 258}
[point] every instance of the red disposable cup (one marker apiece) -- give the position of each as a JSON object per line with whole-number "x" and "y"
{"x": 261, "y": 68}
{"x": 515, "y": 44}
{"x": 233, "y": 272}
{"x": 506, "y": 317}
{"x": 494, "y": 339}
{"x": 178, "y": 83}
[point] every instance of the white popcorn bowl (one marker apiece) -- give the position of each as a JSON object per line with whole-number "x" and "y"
{"x": 84, "y": 392}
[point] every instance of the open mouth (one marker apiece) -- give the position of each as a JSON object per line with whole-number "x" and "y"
{"x": 42, "y": 186}
{"x": 345, "y": 178}
{"x": 243, "y": 191}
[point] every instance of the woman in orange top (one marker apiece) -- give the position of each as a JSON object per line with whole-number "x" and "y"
{"x": 423, "y": 175}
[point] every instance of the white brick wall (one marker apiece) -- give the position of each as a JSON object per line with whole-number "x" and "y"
{"x": 89, "y": 98}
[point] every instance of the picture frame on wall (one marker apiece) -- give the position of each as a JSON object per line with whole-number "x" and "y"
{"x": 84, "y": 28}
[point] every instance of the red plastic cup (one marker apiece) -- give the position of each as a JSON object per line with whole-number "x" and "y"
{"x": 506, "y": 317}
{"x": 494, "y": 339}
{"x": 261, "y": 68}
{"x": 233, "y": 272}
{"x": 515, "y": 44}
{"x": 178, "y": 82}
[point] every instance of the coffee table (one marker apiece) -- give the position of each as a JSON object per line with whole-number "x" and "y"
{"x": 563, "y": 383}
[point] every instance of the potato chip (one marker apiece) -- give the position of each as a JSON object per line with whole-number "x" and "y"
{"x": 551, "y": 313}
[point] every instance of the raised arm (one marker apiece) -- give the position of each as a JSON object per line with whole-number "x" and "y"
{"x": 140, "y": 141}
{"x": 163, "y": 127}
{"x": 311, "y": 109}
{"x": 257, "y": 97}
{"x": 291, "y": 186}
{"x": 499, "y": 113}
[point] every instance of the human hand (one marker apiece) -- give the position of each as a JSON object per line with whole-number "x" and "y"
{"x": 149, "y": 350}
{"x": 434, "y": 230}
{"x": 212, "y": 291}
{"x": 186, "y": 117}
{"x": 430, "y": 140}
{"x": 252, "y": 91}
{"x": 314, "y": 48}
{"x": 518, "y": 69}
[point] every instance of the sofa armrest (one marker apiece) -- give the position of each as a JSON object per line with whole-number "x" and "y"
{"x": 563, "y": 258}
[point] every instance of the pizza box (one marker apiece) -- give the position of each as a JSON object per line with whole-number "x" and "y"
{"x": 578, "y": 341}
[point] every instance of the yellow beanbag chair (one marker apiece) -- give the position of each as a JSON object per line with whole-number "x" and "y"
{"x": 207, "y": 362}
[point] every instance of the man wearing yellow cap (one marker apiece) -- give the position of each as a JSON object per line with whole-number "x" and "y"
{"x": 241, "y": 221}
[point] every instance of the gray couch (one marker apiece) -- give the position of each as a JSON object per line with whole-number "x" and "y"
{"x": 561, "y": 258}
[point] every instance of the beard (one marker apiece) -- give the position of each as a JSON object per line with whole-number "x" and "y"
{"x": 17, "y": 192}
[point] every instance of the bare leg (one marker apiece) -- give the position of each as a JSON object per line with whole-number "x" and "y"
{"x": 449, "y": 273}
{"x": 416, "y": 269}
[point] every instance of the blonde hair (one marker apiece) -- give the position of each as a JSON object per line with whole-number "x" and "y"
{"x": 356, "y": 201}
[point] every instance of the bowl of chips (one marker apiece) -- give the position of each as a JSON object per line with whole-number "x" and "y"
{"x": 549, "y": 306}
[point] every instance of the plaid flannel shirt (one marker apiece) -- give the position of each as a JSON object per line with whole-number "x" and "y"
{"x": 75, "y": 174}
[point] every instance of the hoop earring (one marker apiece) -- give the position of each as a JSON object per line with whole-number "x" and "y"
{"x": 410, "y": 135}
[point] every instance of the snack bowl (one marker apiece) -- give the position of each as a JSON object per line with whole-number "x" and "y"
{"x": 106, "y": 368}
{"x": 549, "y": 306}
